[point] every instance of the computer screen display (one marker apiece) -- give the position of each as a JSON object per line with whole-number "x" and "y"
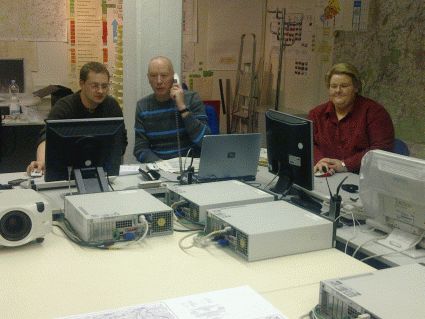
{"x": 11, "y": 69}
{"x": 83, "y": 143}
{"x": 289, "y": 150}
{"x": 392, "y": 190}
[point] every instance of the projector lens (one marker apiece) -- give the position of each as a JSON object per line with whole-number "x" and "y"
{"x": 15, "y": 225}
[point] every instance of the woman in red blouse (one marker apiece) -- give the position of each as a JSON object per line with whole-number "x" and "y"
{"x": 348, "y": 125}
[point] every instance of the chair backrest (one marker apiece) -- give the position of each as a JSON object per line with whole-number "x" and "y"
{"x": 400, "y": 147}
{"x": 212, "y": 119}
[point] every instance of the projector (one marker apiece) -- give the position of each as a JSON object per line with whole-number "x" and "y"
{"x": 24, "y": 216}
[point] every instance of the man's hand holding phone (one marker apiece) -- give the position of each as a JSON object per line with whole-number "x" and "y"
{"x": 176, "y": 93}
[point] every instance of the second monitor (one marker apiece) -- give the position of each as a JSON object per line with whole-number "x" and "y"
{"x": 289, "y": 150}
{"x": 84, "y": 149}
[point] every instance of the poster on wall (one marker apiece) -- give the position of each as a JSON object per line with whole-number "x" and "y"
{"x": 95, "y": 29}
{"x": 190, "y": 34}
{"x": 308, "y": 41}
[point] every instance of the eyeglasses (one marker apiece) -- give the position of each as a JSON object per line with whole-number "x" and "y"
{"x": 98, "y": 86}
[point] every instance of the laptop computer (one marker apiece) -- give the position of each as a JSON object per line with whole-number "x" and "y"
{"x": 229, "y": 156}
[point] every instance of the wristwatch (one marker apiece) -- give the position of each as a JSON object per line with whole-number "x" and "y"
{"x": 183, "y": 111}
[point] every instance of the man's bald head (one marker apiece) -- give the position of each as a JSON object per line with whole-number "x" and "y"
{"x": 160, "y": 76}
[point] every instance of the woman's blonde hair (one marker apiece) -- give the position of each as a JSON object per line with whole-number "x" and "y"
{"x": 348, "y": 69}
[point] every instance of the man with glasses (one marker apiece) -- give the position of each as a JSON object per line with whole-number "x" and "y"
{"x": 92, "y": 101}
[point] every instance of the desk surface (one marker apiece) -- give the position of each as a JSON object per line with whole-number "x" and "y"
{"x": 58, "y": 278}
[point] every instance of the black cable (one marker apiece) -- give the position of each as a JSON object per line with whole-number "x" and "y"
{"x": 254, "y": 184}
{"x": 109, "y": 182}
{"x": 82, "y": 243}
{"x": 186, "y": 230}
{"x": 69, "y": 229}
{"x": 340, "y": 184}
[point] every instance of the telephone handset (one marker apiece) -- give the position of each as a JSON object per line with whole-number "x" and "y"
{"x": 176, "y": 79}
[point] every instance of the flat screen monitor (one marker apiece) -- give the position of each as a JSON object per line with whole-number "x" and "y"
{"x": 392, "y": 190}
{"x": 289, "y": 150}
{"x": 11, "y": 69}
{"x": 83, "y": 145}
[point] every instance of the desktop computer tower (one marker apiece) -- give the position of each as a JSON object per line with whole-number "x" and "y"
{"x": 270, "y": 229}
{"x": 116, "y": 216}
{"x": 196, "y": 199}
{"x": 391, "y": 293}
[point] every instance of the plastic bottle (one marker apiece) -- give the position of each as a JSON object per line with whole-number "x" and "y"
{"x": 14, "y": 108}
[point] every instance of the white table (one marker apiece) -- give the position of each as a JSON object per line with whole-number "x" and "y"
{"x": 58, "y": 278}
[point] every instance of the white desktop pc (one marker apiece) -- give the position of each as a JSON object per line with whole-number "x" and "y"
{"x": 391, "y": 293}
{"x": 195, "y": 199}
{"x": 392, "y": 189}
{"x": 271, "y": 229}
{"x": 116, "y": 216}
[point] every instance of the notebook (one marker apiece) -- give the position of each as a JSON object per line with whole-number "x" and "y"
{"x": 229, "y": 156}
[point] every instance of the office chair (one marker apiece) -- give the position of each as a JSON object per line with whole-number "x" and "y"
{"x": 400, "y": 147}
{"x": 212, "y": 119}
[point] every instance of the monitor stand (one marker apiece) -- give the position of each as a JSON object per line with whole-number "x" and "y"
{"x": 91, "y": 180}
{"x": 399, "y": 240}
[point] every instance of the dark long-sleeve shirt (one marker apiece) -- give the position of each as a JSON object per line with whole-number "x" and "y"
{"x": 366, "y": 127}
{"x": 156, "y": 128}
{"x": 71, "y": 107}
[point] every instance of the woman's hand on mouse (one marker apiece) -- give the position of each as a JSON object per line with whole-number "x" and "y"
{"x": 332, "y": 165}
{"x": 322, "y": 167}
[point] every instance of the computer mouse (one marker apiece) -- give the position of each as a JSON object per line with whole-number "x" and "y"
{"x": 322, "y": 174}
{"x": 351, "y": 188}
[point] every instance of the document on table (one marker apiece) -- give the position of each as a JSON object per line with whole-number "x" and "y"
{"x": 233, "y": 303}
{"x": 130, "y": 169}
{"x": 173, "y": 165}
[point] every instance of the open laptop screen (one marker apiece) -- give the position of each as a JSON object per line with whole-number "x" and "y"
{"x": 229, "y": 156}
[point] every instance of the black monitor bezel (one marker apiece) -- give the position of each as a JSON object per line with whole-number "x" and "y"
{"x": 305, "y": 178}
{"x": 58, "y": 147}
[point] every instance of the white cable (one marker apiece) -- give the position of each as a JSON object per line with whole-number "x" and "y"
{"x": 202, "y": 241}
{"x": 145, "y": 233}
{"x": 178, "y": 203}
{"x": 354, "y": 231}
{"x": 396, "y": 251}
{"x": 183, "y": 238}
{"x": 206, "y": 240}
{"x": 185, "y": 159}
{"x": 366, "y": 242}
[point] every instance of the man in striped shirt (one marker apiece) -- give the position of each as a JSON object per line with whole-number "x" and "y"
{"x": 165, "y": 114}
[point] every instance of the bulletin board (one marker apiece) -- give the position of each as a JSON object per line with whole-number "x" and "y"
{"x": 36, "y": 20}
{"x": 226, "y": 24}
